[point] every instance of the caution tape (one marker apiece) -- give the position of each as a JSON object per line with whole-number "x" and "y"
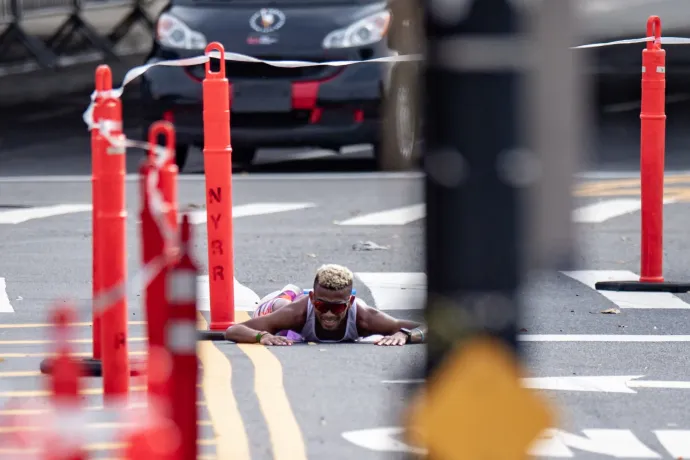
{"x": 162, "y": 155}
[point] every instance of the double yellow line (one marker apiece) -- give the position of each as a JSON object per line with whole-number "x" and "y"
{"x": 232, "y": 441}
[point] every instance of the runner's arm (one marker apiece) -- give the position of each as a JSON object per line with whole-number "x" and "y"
{"x": 371, "y": 321}
{"x": 287, "y": 317}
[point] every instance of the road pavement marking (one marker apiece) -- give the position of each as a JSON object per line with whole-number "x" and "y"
{"x": 396, "y": 291}
{"x": 199, "y": 216}
{"x": 18, "y": 216}
{"x": 398, "y": 216}
{"x": 45, "y": 393}
{"x": 616, "y": 443}
{"x": 231, "y": 435}
{"x": 640, "y": 300}
{"x": 286, "y": 436}
{"x": 89, "y": 426}
{"x": 656, "y": 338}
{"x": 245, "y": 298}
{"x": 6, "y": 374}
{"x": 37, "y": 325}
{"x": 45, "y": 354}
{"x": 92, "y": 447}
{"x": 602, "y": 211}
{"x": 47, "y": 341}
{"x": 5, "y": 305}
{"x": 676, "y": 442}
{"x": 86, "y": 408}
{"x": 554, "y": 443}
{"x": 600, "y": 384}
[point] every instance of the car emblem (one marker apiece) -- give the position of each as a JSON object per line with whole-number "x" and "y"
{"x": 267, "y": 20}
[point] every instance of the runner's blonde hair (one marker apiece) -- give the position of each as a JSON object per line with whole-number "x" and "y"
{"x": 333, "y": 277}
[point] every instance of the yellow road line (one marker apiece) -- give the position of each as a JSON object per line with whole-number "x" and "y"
{"x": 37, "y": 325}
{"x": 93, "y": 447}
{"x": 40, "y": 393}
{"x": 231, "y": 435}
{"x": 6, "y": 374}
{"x": 286, "y": 436}
{"x": 87, "y": 408}
{"x": 47, "y": 342}
{"x": 48, "y": 355}
{"x": 90, "y": 426}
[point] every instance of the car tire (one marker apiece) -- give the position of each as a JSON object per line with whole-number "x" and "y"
{"x": 399, "y": 148}
{"x": 242, "y": 157}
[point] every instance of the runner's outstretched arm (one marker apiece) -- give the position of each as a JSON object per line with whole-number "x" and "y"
{"x": 261, "y": 329}
{"x": 371, "y": 321}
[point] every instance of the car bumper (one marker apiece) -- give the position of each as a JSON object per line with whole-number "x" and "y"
{"x": 339, "y": 107}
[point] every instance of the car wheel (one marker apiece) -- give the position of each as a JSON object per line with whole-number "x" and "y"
{"x": 242, "y": 157}
{"x": 399, "y": 147}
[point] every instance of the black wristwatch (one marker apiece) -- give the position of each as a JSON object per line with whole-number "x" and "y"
{"x": 407, "y": 332}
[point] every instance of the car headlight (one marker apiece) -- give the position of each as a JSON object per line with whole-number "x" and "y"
{"x": 174, "y": 33}
{"x": 363, "y": 32}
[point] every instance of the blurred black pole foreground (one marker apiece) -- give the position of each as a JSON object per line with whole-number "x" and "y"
{"x": 473, "y": 232}
{"x": 501, "y": 133}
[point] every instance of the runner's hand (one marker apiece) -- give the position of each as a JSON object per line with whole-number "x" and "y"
{"x": 397, "y": 339}
{"x": 277, "y": 340}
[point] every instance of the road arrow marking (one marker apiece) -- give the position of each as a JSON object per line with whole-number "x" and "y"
{"x": 600, "y": 384}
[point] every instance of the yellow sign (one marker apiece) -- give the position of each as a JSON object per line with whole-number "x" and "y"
{"x": 475, "y": 407}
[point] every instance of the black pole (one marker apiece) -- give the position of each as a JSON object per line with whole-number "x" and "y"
{"x": 473, "y": 228}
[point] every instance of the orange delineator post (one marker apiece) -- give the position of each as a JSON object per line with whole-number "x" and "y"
{"x": 64, "y": 383}
{"x": 181, "y": 341}
{"x": 113, "y": 254}
{"x": 104, "y": 83}
{"x": 218, "y": 176}
{"x": 154, "y": 245}
{"x": 652, "y": 152}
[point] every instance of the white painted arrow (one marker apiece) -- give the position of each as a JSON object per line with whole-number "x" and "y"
{"x": 601, "y": 384}
{"x": 19, "y": 216}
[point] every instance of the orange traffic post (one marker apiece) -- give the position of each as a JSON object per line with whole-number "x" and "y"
{"x": 104, "y": 84}
{"x": 652, "y": 158}
{"x": 154, "y": 244}
{"x": 652, "y": 152}
{"x": 181, "y": 339}
{"x": 218, "y": 175}
{"x": 65, "y": 385}
{"x": 168, "y": 170}
{"x": 113, "y": 254}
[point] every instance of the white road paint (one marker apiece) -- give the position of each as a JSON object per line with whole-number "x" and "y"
{"x": 601, "y": 384}
{"x": 640, "y": 300}
{"x": 382, "y": 440}
{"x": 573, "y": 338}
{"x": 595, "y": 213}
{"x": 5, "y": 305}
{"x": 597, "y": 384}
{"x": 18, "y": 216}
{"x": 604, "y": 210}
{"x": 397, "y": 216}
{"x": 553, "y": 443}
{"x": 245, "y": 298}
{"x": 396, "y": 291}
{"x": 198, "y": 217}
{"x": 676, "y": 442}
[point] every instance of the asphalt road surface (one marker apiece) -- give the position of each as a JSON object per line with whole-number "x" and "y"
{"x": 346, "y": 401}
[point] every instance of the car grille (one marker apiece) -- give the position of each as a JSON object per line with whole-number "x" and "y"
{"x": 258, "y": 70}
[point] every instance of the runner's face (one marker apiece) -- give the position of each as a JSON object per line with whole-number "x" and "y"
{"x": 330, "y": 307}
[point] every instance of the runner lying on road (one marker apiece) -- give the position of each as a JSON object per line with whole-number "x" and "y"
{"x": 329, "y": 313}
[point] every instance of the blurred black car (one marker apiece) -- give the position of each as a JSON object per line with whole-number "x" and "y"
{"x": 321, "y": 106}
